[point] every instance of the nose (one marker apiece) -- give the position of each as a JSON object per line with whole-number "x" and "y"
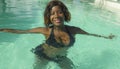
{"x": 56, "y": 14}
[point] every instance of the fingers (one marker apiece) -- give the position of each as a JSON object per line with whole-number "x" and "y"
{"x": 111, "y": 36}
{"x": 1, "y": 29}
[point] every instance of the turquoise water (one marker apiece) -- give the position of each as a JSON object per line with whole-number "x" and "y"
{"x": 87, "y": 53}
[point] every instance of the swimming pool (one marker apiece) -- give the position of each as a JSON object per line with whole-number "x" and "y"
{"x": 87, "y": 53}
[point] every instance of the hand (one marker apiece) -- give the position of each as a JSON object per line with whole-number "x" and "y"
{"x": 1, "y": 29}
{"x": 111, "y": 36}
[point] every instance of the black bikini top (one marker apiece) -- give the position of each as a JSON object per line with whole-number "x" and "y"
{"x": 52, "y": 41}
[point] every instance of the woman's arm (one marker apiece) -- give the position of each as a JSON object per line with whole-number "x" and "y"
{"x": 107, "y": 37}
{"x": 34, "y": 30}
{"x": 80, "y": 31}
{"x": 13, "y": 31}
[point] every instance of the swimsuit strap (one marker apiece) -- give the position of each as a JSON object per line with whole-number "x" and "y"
{"x": 72, "y": 39}
{"x": 51, "y": 34}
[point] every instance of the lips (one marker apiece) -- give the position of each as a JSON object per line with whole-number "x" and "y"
{"x": 57, "y": 21}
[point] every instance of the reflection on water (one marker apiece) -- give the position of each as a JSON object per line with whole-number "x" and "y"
{"x": 16, "y": 6}
{"x": 18, "y": 14}
{"x": 2, "y": 6}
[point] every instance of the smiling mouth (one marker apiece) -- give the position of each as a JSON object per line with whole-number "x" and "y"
{"x": 57, "y": 21}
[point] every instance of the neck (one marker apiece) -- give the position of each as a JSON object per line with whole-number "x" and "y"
{"x": 60, "y": 28}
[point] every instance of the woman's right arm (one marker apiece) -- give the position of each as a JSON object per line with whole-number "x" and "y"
{"x": 34, "y": 30}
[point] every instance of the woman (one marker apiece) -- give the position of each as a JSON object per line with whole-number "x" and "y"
{"x": 59, "y": 37}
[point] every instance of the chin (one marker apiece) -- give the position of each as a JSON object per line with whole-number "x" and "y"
{"x": 59, "y": 24}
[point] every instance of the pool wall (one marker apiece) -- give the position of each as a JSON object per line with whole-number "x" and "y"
{"x": 109, "y": 5}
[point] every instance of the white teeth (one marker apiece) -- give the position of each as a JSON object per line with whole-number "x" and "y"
{"x": 57, "y": 21}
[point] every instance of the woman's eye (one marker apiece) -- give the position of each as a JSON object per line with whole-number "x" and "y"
{"x": 60, "y": 12}
{"x": 52, "y": 14}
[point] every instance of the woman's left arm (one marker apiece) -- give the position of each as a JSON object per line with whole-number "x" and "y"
{"x": 80, "y": 31}
{"x": 111, "y": 36}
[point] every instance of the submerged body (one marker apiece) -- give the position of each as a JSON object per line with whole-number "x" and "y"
{"x": 51, "y": 49}
{"x": 55, "y": 47}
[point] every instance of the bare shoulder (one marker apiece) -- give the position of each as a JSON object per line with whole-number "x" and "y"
{"x": 76, "y": 30}
{"x": 71, "y": 27}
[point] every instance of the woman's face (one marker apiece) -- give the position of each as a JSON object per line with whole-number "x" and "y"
{"x": 57, "y": 16}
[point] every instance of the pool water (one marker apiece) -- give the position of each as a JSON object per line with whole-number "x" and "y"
{"x": 88, "y": 52}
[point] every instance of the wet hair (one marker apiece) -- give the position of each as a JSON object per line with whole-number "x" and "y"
{"x": 48, "y": 8}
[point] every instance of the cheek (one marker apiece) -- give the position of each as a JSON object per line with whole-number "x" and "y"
{"x": 63, "y": 16}
{"x": 50, "y": 18}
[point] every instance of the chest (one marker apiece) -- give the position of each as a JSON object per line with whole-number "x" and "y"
{"x": 60, "y": 37}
